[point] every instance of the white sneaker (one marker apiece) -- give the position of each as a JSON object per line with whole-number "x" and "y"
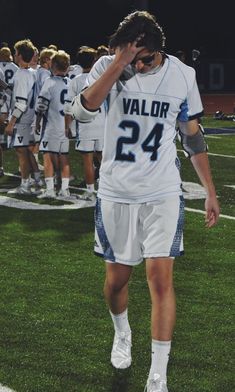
{"x": 63, "y": 193}
{"x": 155, "y": 384}
{"x": 87, "y": 196}
{"x": 33, "y": 182}
{"x": 20, "y": 190}
{"x": 47, "y": 194}
{"x": 121, "y": 351}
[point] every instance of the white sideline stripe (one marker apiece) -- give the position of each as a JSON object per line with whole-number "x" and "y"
{"x": 212, "y": 137}
{"x": 221, "y": 155}
{"x": 5, "y": 389}
{"x": 216, "y": 155}
{"x": 203, "y": 212}
{"x": 12, "y": 175}
{"x": 25, "y": 205}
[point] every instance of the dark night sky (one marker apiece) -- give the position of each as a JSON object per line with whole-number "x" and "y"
{"x": 187, "y": 25}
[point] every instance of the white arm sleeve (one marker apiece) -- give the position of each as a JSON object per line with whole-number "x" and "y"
{"x": 20, "y": 108}
{"x": 80, "y": 113}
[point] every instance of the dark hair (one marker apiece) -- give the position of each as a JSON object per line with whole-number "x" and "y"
{"x": 136, "y": 24}
{"x": 86, "y": 57}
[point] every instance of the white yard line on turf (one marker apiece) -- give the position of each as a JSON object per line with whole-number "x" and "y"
{"x": 26, "y": 205}
{"x": 216, "y": 155}
{"x": 12, "y": 175}
{"x": 5, "y": 389}
{"x": 203, "y": 212}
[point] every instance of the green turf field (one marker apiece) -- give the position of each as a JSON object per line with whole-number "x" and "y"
{"x": 55, "y": 329}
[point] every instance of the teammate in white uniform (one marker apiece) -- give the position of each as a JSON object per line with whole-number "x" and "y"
{"x": 22, "y": 114}
{"x": 139, "y": 212}
{"x": 2, "y": 120}
{"x": 8, "y": 69}
{"x": 54, "y": 143}
{"x": 90, "y": 135}
{"x": 43, "y": 72}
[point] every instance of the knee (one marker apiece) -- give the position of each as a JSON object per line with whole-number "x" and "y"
{"x": 161, "y": 287}
{"x": 114, "y": 286}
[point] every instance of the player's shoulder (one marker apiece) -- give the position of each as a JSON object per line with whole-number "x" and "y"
{"x": 104, "y": 61}
{"x": 174, "y": 62}
{"x": 12, "y": 66}
{"x": 48, "y": 82}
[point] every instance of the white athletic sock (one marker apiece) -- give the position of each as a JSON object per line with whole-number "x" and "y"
{"x": 160, "y": 357}
{"x": 37, "y": 176}
{"x": 90, "y": 187}
{"x": 120, "y": 321}
{"x": 25, "y": 182}
{"x": 49, "y": 183}
{"x": 36, "y": 156}
{"x": 64, "y": 183}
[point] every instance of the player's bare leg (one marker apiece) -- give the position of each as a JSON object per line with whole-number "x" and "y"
{"x": 116, "y": 294}
{"x": 65, "y": 175}
{"x": 160, "y": 280}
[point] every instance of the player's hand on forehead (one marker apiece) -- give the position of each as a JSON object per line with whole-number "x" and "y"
{"x": 128, "y": 52}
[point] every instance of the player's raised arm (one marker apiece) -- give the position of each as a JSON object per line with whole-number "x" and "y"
{"x": 86, "y": 105}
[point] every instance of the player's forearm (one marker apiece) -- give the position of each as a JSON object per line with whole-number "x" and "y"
{"x": 202, "y": 167}
{"x": 67, "y": 120}
{"x": 95, "y": 95}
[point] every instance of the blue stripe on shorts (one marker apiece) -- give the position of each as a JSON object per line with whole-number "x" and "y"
{"x": 107, "y": 249}
{"x": 175, "y": 248}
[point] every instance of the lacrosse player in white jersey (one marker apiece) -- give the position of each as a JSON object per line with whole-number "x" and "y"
{"x": 54, "y": 143}
{"x": 8, "y": 68}
{"x": 19, "y": 127}
{"x": 2, "y": 121}
{"x": 75, "y": 69}
{"x": 90, "y": 135}
{"x": 44, "y": 70}
{"x": 7, "y": 65}
{"x": 140, "y": 208}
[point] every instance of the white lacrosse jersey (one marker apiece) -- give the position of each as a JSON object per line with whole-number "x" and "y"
{"x": 2, "y": 77}
{"x": 55, "y": 91}
{"x": 140, "y": 162}
{"x": 74, "y": 70}
{"x": 42, "y": 75}
{"x": 9, "y": 69}
{"x": 24, "y": 91}
{"x": 93, "y": 130}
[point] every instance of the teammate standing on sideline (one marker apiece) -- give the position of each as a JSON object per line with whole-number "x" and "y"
{"x": 90, "y": 136}
{"x": 54, "y": 142}
{"x": 22, "y": 114}
{"x": 140, "y": 208}
{"x": 8, "y": 67}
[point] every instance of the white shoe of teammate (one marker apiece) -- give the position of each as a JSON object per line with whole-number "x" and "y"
{"x": 63, "y": 194}
{"x": 155, "y": 384}
{"x": 47, "y": 194}
{"x": 121, "y": 351}
{"x": 20, "y": 190}
{"x": 87, "y": 196}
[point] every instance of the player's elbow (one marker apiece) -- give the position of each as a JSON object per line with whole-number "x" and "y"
{"x": 81, "y": 113}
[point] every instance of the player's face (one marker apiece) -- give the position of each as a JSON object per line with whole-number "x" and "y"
{"x": 145, "y": 61}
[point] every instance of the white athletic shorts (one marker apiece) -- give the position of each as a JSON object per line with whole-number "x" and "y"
{"x": 54, "y": 145}
{"x": 129, "y": 233}
{"x": 23, "y": 136}
{"x": 89, "y": 145}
